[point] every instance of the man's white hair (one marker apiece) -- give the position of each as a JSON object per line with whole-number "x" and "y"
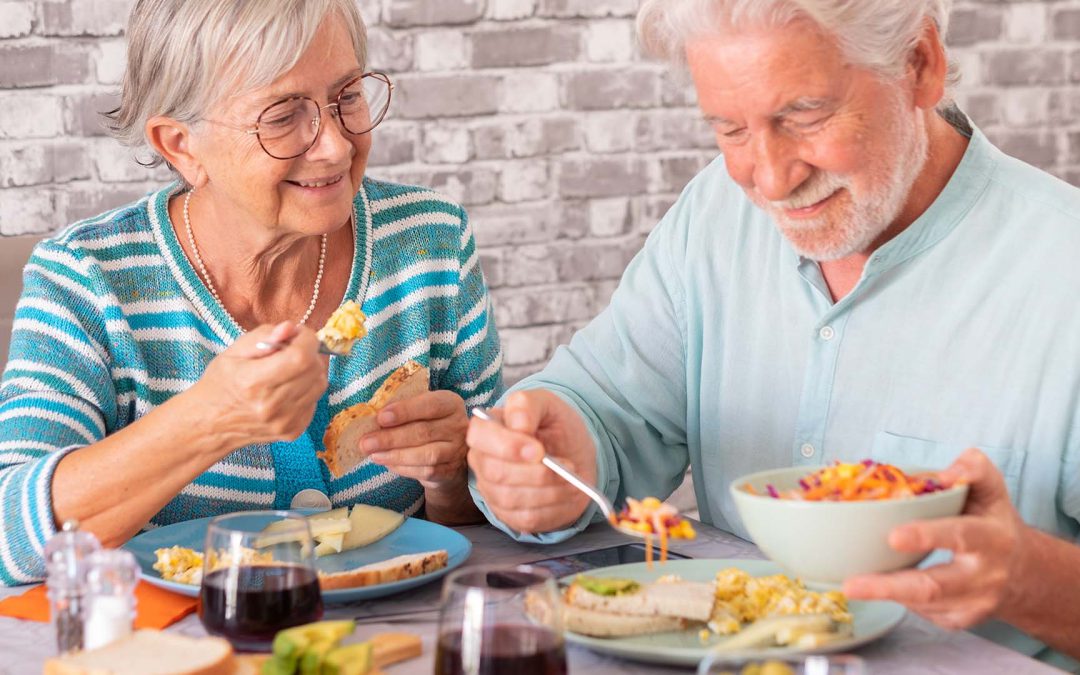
{"x": 184, "y": 56}
{"x": 877, "y": 34}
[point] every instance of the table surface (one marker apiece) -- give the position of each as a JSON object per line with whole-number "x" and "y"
{"x": 915, "y": 647}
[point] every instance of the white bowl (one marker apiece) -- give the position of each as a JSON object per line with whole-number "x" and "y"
{"x": 827, "y": 542}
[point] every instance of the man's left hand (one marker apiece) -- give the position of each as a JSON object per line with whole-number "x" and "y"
{"x": 985, "y": 542}
{"x": 423, "y": 438}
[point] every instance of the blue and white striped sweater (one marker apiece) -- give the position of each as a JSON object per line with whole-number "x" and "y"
{"x": 114, "y": 321}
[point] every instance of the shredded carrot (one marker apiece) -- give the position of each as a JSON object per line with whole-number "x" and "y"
{"x": 867, "y": 480}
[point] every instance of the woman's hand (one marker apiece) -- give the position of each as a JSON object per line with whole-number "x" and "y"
{"x": 423, "y": 438}
{"x": 986, "y": 544}
{"x": 260, "y": 396}
{"x": 519, "y": 490}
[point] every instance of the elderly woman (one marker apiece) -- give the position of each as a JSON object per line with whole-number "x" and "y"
{"x": 138, "y": 392}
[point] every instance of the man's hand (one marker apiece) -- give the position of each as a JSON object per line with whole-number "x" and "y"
{"x": 985, "y": 542}
{"x": 519, "y": 490}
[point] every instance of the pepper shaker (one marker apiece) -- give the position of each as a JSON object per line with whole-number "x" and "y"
{"x": 65, "y": 565}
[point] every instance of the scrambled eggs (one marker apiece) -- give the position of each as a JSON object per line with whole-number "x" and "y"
{"x": 344, "y": 327}
{"x": 741, "y": 598}
{"x": 185, "y": 566}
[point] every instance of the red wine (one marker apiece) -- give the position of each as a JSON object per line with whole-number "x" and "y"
{"x": 249, "y": 604}
{"x": 517, "y": 649}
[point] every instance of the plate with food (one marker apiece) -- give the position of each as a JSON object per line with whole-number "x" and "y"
{"x": 676, "y": 613}
{"x": 362, "y": 552}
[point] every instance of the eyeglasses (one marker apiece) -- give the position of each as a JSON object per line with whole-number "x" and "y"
{"x": 289, "y": 128}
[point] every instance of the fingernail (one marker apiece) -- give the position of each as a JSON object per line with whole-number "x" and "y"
{"x": 518, "y": 420}
{"x": 387, "y": 417}
{"x": 370, "y": 444}
{"x": 376, "y": 458}
{"x": 532, "y": 453}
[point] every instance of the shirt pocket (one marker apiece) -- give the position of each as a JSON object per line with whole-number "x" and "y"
{"x": 900, "y": 450}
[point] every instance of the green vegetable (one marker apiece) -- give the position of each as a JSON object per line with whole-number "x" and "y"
{"x": 607, "y": 586}
{"x": 355, "y": 659}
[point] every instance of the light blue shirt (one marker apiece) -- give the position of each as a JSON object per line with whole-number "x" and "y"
{"x": 723, "y": 350}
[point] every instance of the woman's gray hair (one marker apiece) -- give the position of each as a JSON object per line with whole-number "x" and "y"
{"x": 877, "y": 34}
{"x": 185, "y": 56}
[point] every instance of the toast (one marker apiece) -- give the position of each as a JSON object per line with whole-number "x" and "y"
{"x": 150, "y": 652}
{"x": 395, "y": 569}
{"x": 341, "y": 441}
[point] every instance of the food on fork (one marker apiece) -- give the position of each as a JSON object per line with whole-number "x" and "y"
{"x": 865, "y": 481}
{"x": 651, "y": 517}
{"x": 342, "y": 439}
{"x": 344, "y": 327}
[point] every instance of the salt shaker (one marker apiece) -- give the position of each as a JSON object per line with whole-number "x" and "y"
{"x": 111, "y": 577}
{"x": 65, "y": 566}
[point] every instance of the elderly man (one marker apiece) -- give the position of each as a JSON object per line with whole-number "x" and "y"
{"x": 860, "y": 274}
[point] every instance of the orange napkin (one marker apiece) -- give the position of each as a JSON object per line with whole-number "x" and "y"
{"x": 154, "y": 607}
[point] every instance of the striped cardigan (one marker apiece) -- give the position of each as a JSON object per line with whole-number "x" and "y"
{"x": 113, "y": 321}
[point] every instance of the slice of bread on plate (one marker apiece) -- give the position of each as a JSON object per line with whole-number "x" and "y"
{"x": 383, "y": 572}
{"x": 604, "y": 624}
{"x": 680, "y": 599}
{"x": 150, "y": 652}
{"x": 342, "y": 438}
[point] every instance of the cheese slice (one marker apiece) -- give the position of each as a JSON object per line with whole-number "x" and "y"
{"x": 328, "y": 544}
{"x": 369, "y": 525}
{"x": 320, "y": 528}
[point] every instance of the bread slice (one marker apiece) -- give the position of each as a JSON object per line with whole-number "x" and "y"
{"x": 394, "y": 569}
{"x": 150, "y": 652}
{"x": 603, "y": 624}
{"x": 341, "y": 441}
{"x": 690, "y": 600}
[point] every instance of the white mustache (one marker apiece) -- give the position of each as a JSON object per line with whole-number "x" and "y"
{"x": 813, "y": 190}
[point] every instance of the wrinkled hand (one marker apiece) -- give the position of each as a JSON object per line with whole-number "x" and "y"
{"x": 423, "y": 438}
{"x": 519, "y": 490}
{"x": 985, "y": 542}
{"x": 260, "y": 396}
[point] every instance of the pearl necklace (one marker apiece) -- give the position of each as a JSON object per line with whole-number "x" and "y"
{"x": 210, "y": 282}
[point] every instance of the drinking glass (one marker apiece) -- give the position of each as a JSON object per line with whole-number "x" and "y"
{"x": 498, "y": 619}
{"x": 257, "y": 581}
{"x": 721, "y": 663}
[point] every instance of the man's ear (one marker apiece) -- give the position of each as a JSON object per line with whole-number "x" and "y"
{"x": 929, "y": 65}
{"x": 172, "y": 140}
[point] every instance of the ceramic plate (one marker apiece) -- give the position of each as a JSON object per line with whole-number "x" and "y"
{"x": 871, "y": 619}
{"x": 414, "y": 536}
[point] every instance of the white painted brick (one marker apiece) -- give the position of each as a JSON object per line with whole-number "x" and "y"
{"x": 447, "y": 143}
{"x": 526, "y": 345}
{"x": 527, "y": 91}
{"x": 441, "y": 50}
{"x": 116, "y": 164}
{"x": 16, "y": 19}
{"x": 111, "y": 61}
{"x": 610, "y": 40}
{"x": 30, "y": 115}
{"x": 509, "y": 10}
{"x": 1025, "y": 107}
{"x": 525, "y": 180}
{"x": 29, "y": 210}
{"x": 1025, "y": 22}
{"x": 609, "y": 131}
{"x": 609, "y": 217}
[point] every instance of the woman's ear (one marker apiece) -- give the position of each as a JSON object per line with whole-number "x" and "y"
{"x": 930, "y": 67}
{"x": 172, "y": 140}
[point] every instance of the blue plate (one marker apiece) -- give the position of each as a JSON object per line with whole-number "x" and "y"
{"x": 414, "y": 536}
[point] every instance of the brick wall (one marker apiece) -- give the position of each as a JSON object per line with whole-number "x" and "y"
{"x": 540, "y": 115}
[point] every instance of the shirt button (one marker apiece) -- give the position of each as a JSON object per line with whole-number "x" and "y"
{"x": 807, "y": 450}
{"x": 826, "y": 333}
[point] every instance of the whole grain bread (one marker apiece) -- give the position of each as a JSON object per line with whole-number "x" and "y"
{"x": 341, "y": 441}
{"x": 394, "y": 569}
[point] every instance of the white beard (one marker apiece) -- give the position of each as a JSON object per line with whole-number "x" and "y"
{"x": 840, "y": 234}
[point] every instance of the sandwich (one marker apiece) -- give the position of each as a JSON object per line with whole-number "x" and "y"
{"x": 342, "y": 439}
{"x": 608, "y": 607}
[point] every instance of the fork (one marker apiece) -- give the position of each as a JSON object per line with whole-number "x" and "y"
{"x": 273, "y": 346}
{"x": 599, "y": 498}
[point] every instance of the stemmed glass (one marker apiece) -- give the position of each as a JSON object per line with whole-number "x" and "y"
{"x": 258, "y": 581}
{"x": 499, "y": 619}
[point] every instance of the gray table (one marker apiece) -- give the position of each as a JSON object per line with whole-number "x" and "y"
{"x": 916, "y": 647}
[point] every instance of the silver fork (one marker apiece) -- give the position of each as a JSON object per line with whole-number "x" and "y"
{"x": 599, "y": 498}
{"x": 273, "y": 346}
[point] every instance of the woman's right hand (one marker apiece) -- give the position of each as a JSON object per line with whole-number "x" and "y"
{"x": 260, "y": 396}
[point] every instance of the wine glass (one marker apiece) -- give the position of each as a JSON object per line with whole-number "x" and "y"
{"x": 257, "y": 581}
{"x": 499, "y": 619}
{"x": 724, "y": 663}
